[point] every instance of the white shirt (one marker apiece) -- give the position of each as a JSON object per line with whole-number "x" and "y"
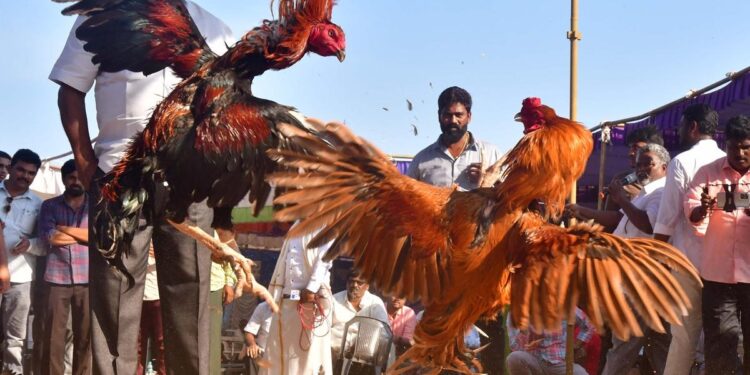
{"x": 671, "y": 220}
{"x": 260, "y": 324}
{"x": 124, "y": 100}
{"x": 305, "y": 268}
{"x": 151, "y": 287}
{"x": 648, "y": 200}
{"x": 21, "y": 221}
{"x": 371, "y": 306}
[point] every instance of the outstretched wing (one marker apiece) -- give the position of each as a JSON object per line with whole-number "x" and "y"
{"x": 558, "y": 269}
{"x": 394, "y": 227}
{"x": 141, "y": 35}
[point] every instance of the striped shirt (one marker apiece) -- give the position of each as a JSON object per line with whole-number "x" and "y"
{"x": 549, "y": 346}
{"x": 68, "y": 264}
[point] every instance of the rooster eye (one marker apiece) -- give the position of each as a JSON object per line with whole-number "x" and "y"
{"x": 331, "y": 33}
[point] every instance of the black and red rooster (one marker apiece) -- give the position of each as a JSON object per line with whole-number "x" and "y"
{"x": 208, "y": 138}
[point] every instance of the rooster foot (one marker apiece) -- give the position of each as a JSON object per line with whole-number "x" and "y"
{"x": 222, "y": 251}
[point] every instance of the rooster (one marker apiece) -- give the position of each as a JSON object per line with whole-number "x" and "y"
{"x": 207, "y": 139}
{"x": 466, "y": 255}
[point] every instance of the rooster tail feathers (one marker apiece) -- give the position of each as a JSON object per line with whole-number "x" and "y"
{"x": 141, "y": 36}
{"x": 124, "y": 196}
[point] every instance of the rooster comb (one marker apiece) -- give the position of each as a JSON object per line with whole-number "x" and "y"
{"x": 531, "y": 102}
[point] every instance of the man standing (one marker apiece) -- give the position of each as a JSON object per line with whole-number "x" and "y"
{"x": 457, "y": 157}
{"x": 697, "y": 128}
{"x": 299, "y": 340}
{"x": 717, "y": 201}
{"x": 19, "y": 215}
{"x": 4, "y": 165}
{"x": 356, "y": 300}
{"x": 63, "y": 227}
{"x": 638, "y": 219}
{"x": 124, "y": 100}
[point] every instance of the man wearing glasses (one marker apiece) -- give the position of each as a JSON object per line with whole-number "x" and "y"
{"x": 20, "y": 208}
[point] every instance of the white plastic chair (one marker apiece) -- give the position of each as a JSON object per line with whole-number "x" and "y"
{"x": 366, "y": 341}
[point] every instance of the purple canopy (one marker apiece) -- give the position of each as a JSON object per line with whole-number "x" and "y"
{"x": 730, "y": 100}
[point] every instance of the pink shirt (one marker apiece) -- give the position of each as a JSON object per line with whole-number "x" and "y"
{"x": 726, "y": 245}
{"x": 403, "y": 323}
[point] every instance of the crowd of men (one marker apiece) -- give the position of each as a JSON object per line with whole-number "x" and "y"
{"x": 95, "y": 317}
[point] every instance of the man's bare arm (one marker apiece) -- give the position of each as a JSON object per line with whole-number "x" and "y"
{"x": 72, "y": 106}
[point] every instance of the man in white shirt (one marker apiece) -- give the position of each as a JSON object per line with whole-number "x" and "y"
{"x": 697, "y": 128}
{"x": 299, "y": 340}
{"x": 20, "y": 208}
{"x": 638, "y": 219}
{"x": 124, "y": 101}
{"x": 356, "y": 300}
{"x": 257, "y": 329}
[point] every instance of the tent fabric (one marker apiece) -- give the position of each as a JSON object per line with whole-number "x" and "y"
{"x": 729, "y": 101}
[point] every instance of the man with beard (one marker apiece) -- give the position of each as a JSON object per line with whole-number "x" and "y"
{"x": 457, "y": 157}
{"x": 638, "y": 218}
{"x": 63, "y": 227}
{"x": 717, "y": 204}
{"x": 697, "y": 129}
{"x": 20, "y": 208}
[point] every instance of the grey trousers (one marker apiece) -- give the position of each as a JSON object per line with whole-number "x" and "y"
{"x": 523, "y": 363}
{"x": 624, "y": 354}
{"x": 183, "y": 268}
{"x": 15, "y": 304}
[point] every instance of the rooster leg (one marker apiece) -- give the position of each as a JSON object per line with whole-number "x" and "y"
{"x": 222, "y": 251}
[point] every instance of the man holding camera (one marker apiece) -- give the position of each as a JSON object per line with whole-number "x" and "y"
{"x": 717, "y": 201}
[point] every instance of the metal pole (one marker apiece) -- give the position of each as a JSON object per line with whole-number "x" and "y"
{"x": 573, "y": 36}
{"x": 602, "y": 162}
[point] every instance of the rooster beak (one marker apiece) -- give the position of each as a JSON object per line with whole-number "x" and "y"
{"x": 517, "y": 117}
{"x": 341, "y": 54}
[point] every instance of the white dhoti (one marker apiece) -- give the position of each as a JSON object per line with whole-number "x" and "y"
{"x": 296, "y": 350}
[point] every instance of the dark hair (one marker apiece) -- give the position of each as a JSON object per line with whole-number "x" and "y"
{"x": 648, "y": 134}
{"x": 68, "y": 168}
{"x": 27, "y": 156}
{"x": 4, "y": 155}
{"x": 738, "y": 128}
{"x": 454, "y": 94}
{"x": 353, "y": 272}
{"x": 705, "y": 116}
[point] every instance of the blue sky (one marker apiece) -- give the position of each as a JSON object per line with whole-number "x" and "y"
{"x": 635, "y": 55}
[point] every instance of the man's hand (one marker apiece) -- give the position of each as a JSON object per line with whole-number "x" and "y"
{"x": 579, "y": 352}
{"x": 306, "y": 296}
{"x": 617, "y": 192}
{"x": 699, "y": 213}
{"x": 86, "y": 169}
{"x": 475, "y": 172}
{"x": 4, "y": 278}
{"x": 254, "y": 351}
{"x": 59, "y": 238}
{"x": 22, "y": 246}
{"x": 228, "y": 294}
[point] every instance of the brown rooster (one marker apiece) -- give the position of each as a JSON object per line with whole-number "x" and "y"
{"x": 469, "y": 254}
{"x": 207, "y": 139}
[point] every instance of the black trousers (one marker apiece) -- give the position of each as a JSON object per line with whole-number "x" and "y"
{"x": 183, "y": 267}
{"x": 726, "y": 314}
